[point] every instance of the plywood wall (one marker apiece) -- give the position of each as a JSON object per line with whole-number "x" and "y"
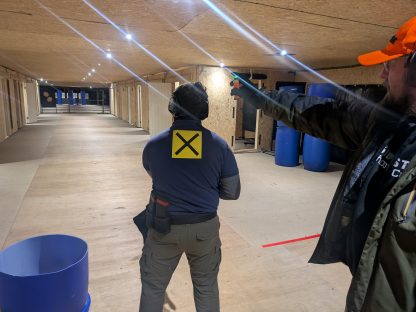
{"x": 145, "y": 107}
{"x": 345, "y": 76}
{"x": 13, "y": 104}
{"x": 32, "y": 101}
{"x": 134, "y": 105}
{"x": 239, "y": 132}
{"x": 126, "y": 108}
{"x": 3, "y": 114}
{"x": 7, "y": 121}
{"x": 13, "y": 112}
{"x": 222, "y": 106}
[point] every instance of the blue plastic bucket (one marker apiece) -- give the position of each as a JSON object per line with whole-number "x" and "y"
{"x": 46, "y": 274}
{"x": 316, "y": 152}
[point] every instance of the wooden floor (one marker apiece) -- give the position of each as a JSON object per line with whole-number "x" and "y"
{"x": 81, "y": 175}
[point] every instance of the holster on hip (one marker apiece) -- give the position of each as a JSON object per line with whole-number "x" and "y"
{"x": 157, "y": 216}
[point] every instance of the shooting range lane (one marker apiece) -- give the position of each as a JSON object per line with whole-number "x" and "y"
{"x": 90, "y": 184}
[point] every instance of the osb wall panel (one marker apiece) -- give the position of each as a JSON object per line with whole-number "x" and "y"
{"x": 3, "y": 119}
{"x": 20, "y": 111}
{"x": 239, "y": 119}
{"x": 17, "y": 104}
{"x": 133, "y": 104}
{"x": 117, "y": 110}
{"x": 354, "y": 75}
{"x": 221, "y": 119}
{"x": 112, "y": 99}
{"x": 145, "y": 107}
{"x": 13, "y": 104}
{"x": 124, "y": 109}
{"x": 7, "y": 111}
{"x": 23, "y": 113}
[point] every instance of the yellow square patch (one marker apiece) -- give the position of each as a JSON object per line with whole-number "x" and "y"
{"x": 187, "y": 144}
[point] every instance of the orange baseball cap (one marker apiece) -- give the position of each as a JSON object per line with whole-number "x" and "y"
{"x": 402, "y": 43}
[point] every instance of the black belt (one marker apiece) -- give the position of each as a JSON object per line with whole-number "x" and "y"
{"x": 191, "y": 218}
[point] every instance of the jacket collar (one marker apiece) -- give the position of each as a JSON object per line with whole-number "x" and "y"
{"x": 186, "y": 123}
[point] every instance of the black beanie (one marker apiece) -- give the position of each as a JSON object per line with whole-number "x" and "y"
{"x": 189, "y": 101}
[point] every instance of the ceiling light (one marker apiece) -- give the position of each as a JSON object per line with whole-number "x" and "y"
{"x": 90, "y": 87}
{"x": 218, "y": 78}
{"x": 89, "y": 74}
{"x": 109, "y": 55}
{"x": 46, "y": 81}
{"x": 99, "y": 64}
{"x": 129, "y": 36}
{"x": 222, "y": 65}
{"x": 41, "y": 79}
{"x": 93, "y": 70}
{"x": 283, "y": 52}
{"x": 83, "y": 79}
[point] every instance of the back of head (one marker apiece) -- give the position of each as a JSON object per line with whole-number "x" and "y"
{"x": 189, "y": 101}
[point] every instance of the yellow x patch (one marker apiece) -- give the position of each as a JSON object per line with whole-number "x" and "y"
{"x": 187, "y": 144}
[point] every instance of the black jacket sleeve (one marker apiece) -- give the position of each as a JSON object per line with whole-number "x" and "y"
{"x": 230, "y": 188}
{"x": 341, "y": 122}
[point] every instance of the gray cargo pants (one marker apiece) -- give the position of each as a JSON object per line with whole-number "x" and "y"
{"x": 161, "y": 254}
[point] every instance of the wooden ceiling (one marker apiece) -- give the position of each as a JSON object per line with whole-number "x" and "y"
{"x": 35, "y": 40}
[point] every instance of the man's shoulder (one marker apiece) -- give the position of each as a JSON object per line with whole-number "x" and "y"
{"x": 215, "y": 138}
{"x": 159, "y": 138}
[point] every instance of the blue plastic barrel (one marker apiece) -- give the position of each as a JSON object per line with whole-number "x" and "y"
{"x": 46, "y": 274}
{"x": 59, "y": 97}
{"x": 83, "y": 98}
{"x": 71, "y": 98}
{"x": 287, "y": 139}
{"x": 316, "y": 152}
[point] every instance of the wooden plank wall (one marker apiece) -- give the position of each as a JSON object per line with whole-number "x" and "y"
{"x": 13, "y": 113}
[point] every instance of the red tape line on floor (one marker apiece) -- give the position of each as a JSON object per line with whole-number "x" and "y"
{"x": 291, "y": 241}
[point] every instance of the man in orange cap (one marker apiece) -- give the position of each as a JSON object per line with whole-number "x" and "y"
{"x": 371, "y": 223}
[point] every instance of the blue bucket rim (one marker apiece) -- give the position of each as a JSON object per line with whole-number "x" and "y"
{"x": 87, "y": 304}
{"x": 48, "y": 273}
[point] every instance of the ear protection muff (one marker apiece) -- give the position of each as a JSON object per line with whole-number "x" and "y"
{"x": 411, "y": 70}
{"x": 177, "y": 109}
{"x": 173, "y": 105}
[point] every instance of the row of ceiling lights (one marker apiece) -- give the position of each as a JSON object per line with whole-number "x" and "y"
{"x": 110, "y": 56}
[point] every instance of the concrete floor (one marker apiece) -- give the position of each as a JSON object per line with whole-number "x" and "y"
{"x": 82, "y": 175}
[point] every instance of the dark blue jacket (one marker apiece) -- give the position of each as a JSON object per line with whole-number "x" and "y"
{"x": 191, "y": 168}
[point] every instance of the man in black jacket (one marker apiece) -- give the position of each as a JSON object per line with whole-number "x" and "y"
{"x": 371, "y": 223}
